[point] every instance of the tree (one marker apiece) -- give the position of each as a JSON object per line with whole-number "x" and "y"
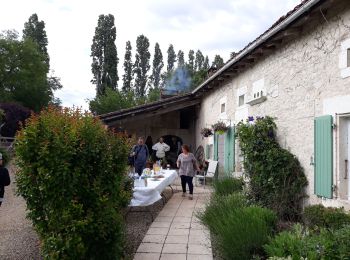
{"x": 141, "y": 66}
{"x": 111, "y": 100}
{"x": 104, "y": 65}
{"x": 158, "y": 65}
{"x": 128, "y": 74}
{"x": 206, "y": 65}
{"x": 190, "y": 64}
{"x": 199, "y": 61}
{"x": 218, "y": 62}
{"x": 23, "y": 73}
{"x": 180, "y": 59}
{"x": 14, "y": 115}
{"x": 171, "y": 58}
{"x": 35, "y": 30}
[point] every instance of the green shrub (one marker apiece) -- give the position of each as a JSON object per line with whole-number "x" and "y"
{"x": 276, "y": 178}
{"x": 316, "y": 216}
{"x": 240, "y": 230}
{"x": 227, "y": 186}
{"x": 302, "y": 244}
{"x": 71, "y": 174}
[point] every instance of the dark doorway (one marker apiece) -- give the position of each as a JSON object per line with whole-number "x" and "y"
{"x": 175, "y": 143}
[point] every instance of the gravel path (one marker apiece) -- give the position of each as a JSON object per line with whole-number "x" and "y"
{"x": 18, "y": 240}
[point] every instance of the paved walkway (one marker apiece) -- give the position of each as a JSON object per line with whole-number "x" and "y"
{"x": 176, "y": 233}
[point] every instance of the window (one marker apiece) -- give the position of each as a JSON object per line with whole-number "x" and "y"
{"x": 348, "y": 58}
{"x": 241, "y": 100}
{"x": 223, "y": 108}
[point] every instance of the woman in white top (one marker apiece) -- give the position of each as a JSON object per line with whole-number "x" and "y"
{"x": 188, "y": 166}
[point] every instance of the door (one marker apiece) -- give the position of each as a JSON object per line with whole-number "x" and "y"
{"x": 346, "y": 161}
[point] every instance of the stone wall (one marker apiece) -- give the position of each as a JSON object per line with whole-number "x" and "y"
{"x": 301, "y": 78}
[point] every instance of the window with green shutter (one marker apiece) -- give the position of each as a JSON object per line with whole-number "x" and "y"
{"x": 323, "y": 156}
{"x": 216, "y": 146}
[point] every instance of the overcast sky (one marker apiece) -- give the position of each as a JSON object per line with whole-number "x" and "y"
{"x": 213, "y": 26}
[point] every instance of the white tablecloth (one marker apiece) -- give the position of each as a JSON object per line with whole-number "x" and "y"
{"x": 145, "y": 196}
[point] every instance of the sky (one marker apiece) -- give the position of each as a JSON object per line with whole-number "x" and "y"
{"x": 213, "y": 26}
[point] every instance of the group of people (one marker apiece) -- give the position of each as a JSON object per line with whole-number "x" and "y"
{"x": 186, "y": 161}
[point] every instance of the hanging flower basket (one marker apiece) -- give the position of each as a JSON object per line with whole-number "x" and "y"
{"x": 220, "y": 127}
{"x": 206, "y": 132}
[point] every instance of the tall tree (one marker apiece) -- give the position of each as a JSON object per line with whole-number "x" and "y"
{"x": 206, "y": 65}
{"x": 180, "y": 59}
{"x": 190, "y": 64}
{"x": 128, "y": 73}
{"x": 141, "y": 66}
{"x": 104, "y": 65}
{"x": 35, "y": 30}
{"x": 218, "y": 62}
{"x": 171, "y": 58}
{"x": 199, "y": 61}
{"x": 158, "y": 65}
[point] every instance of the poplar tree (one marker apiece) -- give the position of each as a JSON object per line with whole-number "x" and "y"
{"x": 128, "y": 70}
{"x": 171, "y": 58}
{"x": 199, "y": 61}
{"x": 206, "y": 65}
{"x": 104, "y": 65}
{"x": 218, "y": 62}
{"x": 180, "y": 59}
{"x": 141, "y": 66}
{"x": 158, "y": 65}
{"x": 190, "y": 64}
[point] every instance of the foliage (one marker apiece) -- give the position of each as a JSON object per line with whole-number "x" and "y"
{"x": 112, "y": 100}
{"x": 158, "y": 65}
{"x": 180, "y": 59}
{"x": 23, "y": 73}
{"x": 128, "y": 74}
{"x": 218, "y": 62}
{"x": 227, "y": 186}
{"x": 277, "y": 180}
{"x": 300, "y": 243}
{"x": 153, "y": 94}
{"x": 199, "y": 61}
{"x": 2, "y": 116}
{"x": 318, "y": 216}
{"x": 171, "y": 59}
{"x": 72, "y": 174}
{"x": 190, "y": 62}
{"x": 206, "y": 64}
{"x": 35, "y": 30}
{"x": 104, "y": 55}
{"x": 240, "y": 230}
{"x": 198, "y": 77}
{"x": 5, "y": 156}
{"x": 141, "y": 66}
{"x": 220, "y": 127}
{"x": 206, "y": 132}
{"x": 15, "y": 115}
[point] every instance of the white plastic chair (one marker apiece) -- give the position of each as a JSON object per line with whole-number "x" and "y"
{"x": 210, "y": 173}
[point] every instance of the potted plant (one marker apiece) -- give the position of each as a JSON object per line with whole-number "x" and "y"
{"x": 220, "y": 127}
{"x": 206, "y": 132}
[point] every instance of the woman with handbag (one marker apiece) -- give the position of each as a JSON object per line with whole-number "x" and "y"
{"x": 188, "y": 166}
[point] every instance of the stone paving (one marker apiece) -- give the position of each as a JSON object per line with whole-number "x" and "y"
{"x": 176, "y": 232}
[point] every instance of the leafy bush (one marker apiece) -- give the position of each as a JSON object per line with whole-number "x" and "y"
{"x": 15, "y": 115}
{"x": 277, "y": 180}
{"x": 71, "y": 174}
{"x": 227, "y": 186}
{"x": 317, "y": 216}
{"x": 303, "y": 244}
{"x": 240, "y": 230}
{"x": 5, "y": 155}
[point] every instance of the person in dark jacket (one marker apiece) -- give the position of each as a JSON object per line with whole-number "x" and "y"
{"x": 141, "y": 154}
{"x": 4, "y": 179}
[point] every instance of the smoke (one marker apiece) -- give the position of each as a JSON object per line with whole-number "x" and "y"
{"x": 179, "y": 82}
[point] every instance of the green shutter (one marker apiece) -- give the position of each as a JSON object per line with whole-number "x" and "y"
{"x": 207, "y": 155}
{"x": 230, "y": 151}
{"x": 216, "y": 146}
{"x": 323, "y": 156}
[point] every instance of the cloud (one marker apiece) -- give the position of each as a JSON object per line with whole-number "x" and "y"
{"x": 214, "y": 27}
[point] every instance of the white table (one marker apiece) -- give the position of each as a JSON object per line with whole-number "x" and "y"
{"x": 145, "y": 196}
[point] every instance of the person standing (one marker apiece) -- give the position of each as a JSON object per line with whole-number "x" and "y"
{"x": 161, "y": 148}
{"x": 188, "y": 166}
{"x": 140, "y": 153}
{"x": 4, "y": 179}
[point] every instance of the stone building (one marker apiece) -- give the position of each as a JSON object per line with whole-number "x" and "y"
{"x": 298, "y": 71}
